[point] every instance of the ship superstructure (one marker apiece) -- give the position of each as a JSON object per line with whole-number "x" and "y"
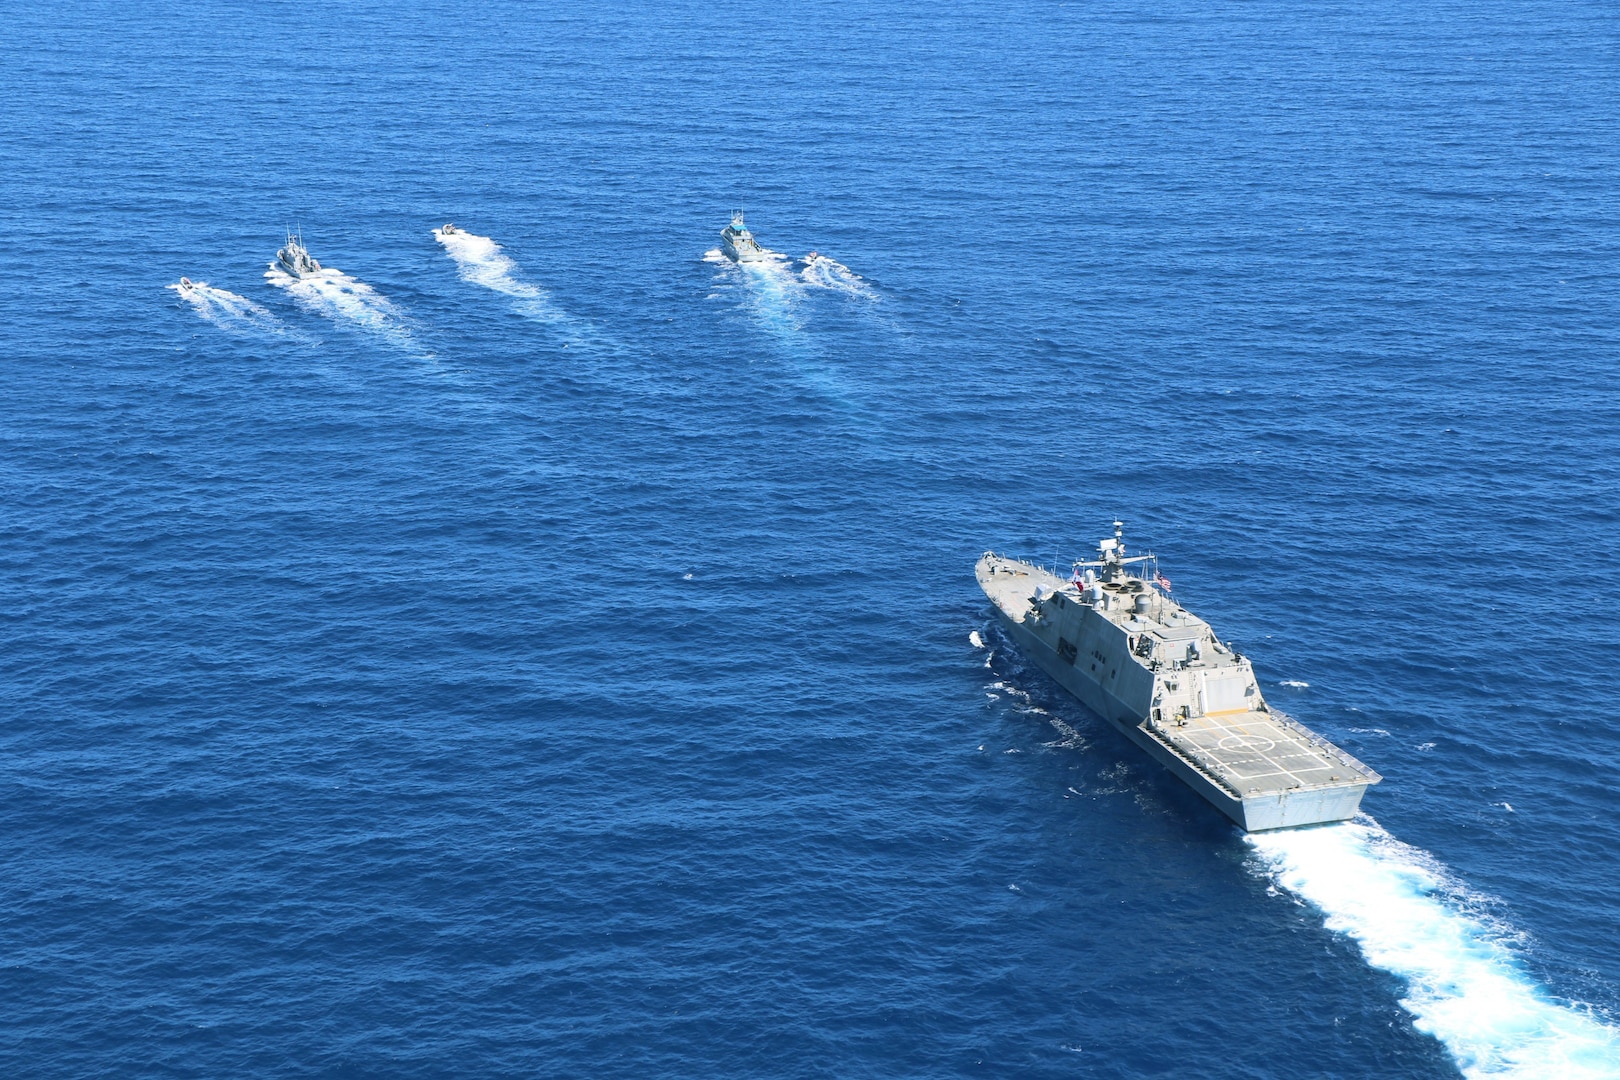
{"x": 294, "y": 259}
{"x": 1118, "y": 642}
{"x": 738, "y": 243}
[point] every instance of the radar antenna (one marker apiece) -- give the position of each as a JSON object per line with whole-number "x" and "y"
{"x": 1111, "y": 556}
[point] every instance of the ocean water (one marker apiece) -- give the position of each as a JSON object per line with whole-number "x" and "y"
{"x": 544, "y": 650}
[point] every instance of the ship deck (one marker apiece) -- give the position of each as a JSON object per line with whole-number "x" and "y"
{"x": 1249, "y": 752}
{"x": 1256, "y": 753}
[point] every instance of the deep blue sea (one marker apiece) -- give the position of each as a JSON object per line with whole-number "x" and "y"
{"x": 543, "y": 650}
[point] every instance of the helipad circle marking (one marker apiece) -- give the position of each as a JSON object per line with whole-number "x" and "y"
{"x": 1258, "y": 743}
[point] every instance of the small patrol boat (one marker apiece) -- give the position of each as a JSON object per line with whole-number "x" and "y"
{"x": 449, "y": 229}
{"x": 295, "y": 259}
{"x": 186, "y": 284}
{"x": 810, "y": 259}
{"x": 738, "y": 243}
{"x": 1159, "y": 675}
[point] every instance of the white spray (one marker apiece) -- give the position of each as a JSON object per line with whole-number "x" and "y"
{"x": 1465, "y": 986}
{"x": 827, "y": 273}
{"x": 481, "y": 261}
{"x": 337, "y": 296}
{"x": 771, "y": 291}
{"x": 232, "y": 313}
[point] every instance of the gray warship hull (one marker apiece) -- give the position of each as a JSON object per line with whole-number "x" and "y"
{"x": 1158, "y": 676}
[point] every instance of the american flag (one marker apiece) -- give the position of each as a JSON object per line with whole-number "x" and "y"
{"x": 1164, "y": 582}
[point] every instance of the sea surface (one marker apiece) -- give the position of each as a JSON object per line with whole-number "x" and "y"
{"x": 544, "y": 649}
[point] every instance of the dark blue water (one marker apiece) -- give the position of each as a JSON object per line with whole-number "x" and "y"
{"x": 545, "y": 651}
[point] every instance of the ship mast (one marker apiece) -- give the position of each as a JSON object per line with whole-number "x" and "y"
{"x": 1112, "y": 560}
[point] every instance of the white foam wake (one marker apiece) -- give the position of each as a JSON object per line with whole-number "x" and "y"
{"x": 337, "y": 296}
{"x": 825, "y": 273}
{"x": 232, "y": 313}
{"x": 479, "y": 260}
{"x": 772, "y": 291}
{"x": 1465, "y": 985}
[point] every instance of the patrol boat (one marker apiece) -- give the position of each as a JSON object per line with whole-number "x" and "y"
{"x": 1158, "y": 673}
{"x": 294, "y": 259}
{"x": 738, "y": 243}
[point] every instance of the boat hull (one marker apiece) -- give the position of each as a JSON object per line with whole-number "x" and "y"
{"x": 741, "y": 255}
{"x": 1256, "y": 812}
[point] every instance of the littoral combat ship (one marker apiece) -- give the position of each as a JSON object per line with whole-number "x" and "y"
{"x": 1158, "y": 673}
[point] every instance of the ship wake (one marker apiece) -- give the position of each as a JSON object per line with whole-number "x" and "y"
{"x": 480, "y": 261}
{"x": 1465, "y": 984}
{"x": 235, "y": 314}
{"x": 775, "y": 288}
{"x": 830, "y": 274}
{"x": 344, "y": 300}
{"x": 772, "y": 293}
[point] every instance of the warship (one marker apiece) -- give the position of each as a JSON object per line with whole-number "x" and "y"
{"x": 738, "y": 243}
{"x": 295, "y": 259}
{"x": 1116, "y": 640}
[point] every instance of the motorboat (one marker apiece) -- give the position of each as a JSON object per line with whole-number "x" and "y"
{"x": 449, "y": 229}
{"x": 186, "y": 284}
{"x": 295, "y": 259}
{"x": 738, "y": 243}
{"x": 810, "y": 259}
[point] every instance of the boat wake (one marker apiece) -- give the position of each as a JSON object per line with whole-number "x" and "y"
{"x": 772, "y": 292}
{"x": 479, "y": 260}
{"x": 822, "y": 272}
{"x": 1465, "y": 985}
{"x": 234, "y": 314}
{"x": 339, "y": 297}
{"x": 777, "y": 286}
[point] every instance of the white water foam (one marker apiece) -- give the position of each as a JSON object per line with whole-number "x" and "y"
{"x": 1465, "y": 985}
{"x": 232, "y": 313}
{"x": 1071, "y": 740}
{"x": 826, "y": 273}
{"x": 479, "y": 260}
{"x": 343, "y": 299}
{"x": 772, "y": 291}
{"x": 1297, "y": 684}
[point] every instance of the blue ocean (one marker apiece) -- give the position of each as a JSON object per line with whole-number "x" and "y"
{"x": 547, "y": 648}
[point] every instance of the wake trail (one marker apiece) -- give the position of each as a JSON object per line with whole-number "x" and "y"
{"x": 480, "y": 261}
{"x": 335, "y": 295}
{"x": 824, "y": 272}
{"x": 771, "y": 292}
{"x": 778, "y": 294}
{"x": 1465, "y": 985}
{"x": 774, "y": 289}
{"x": 235, "y": 314}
